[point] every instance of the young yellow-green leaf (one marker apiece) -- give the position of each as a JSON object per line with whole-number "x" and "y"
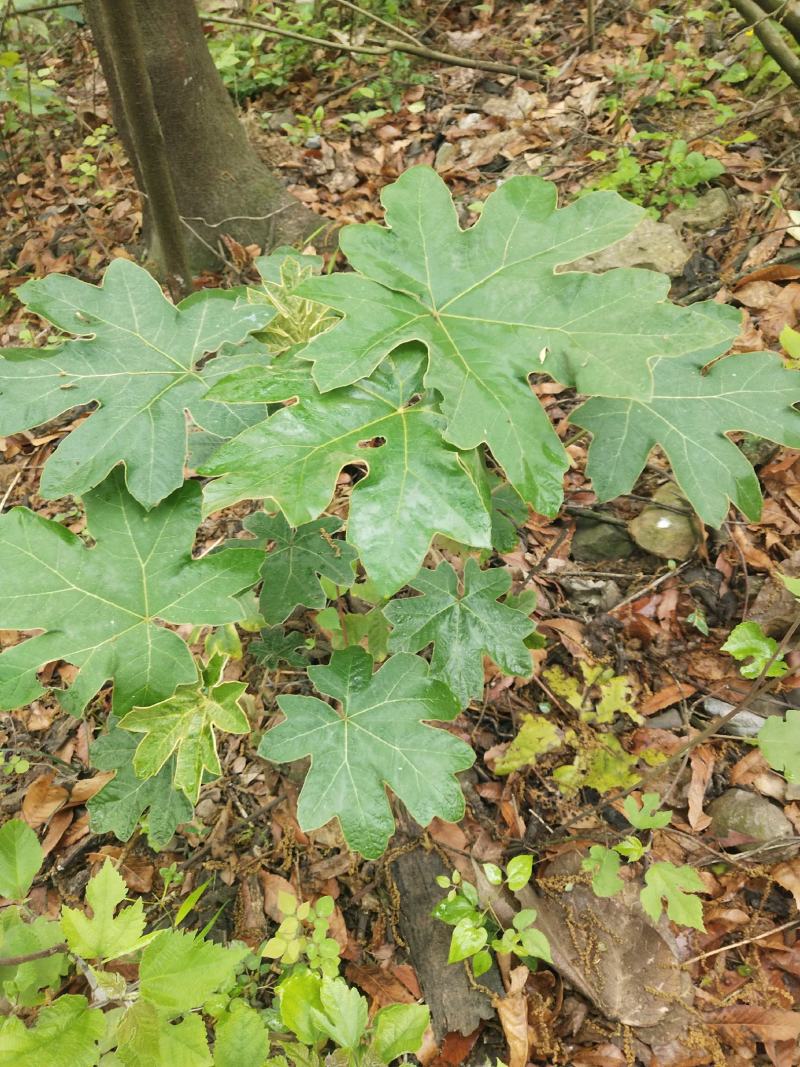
{"x": 121, "y": 803}
{"x": 688, "y": 416}
{"x": 603, "y": 864}
{"x": 398, "y": 1029}
{"x": 179, "y": 971}
{"x": 22, "y": 982}
{"x": 298, "y": 557}
{"x": 98, "y": 606}
{"x": 462, "y": 626}
{"x": 137, "y": 357}
{"x": 675, "y": 885}
{"x": 105, "y": 935}
{"x": 491, "y": 310}
{"x": 779, "y": 741}
{"x": 536, "y": 736}
{"x": 344, "y": 1013}
{"x": 747, "y": 641}
{"x": 518, "y": 872}
{"x": 379, "y": 737}
{"x": 184, "y": 725}
{"x": 65, "y": 1034}
{"x": 241, "y": 1038}
{"x": 417, "y": 485}
{"x": 790, "y": 341}
{"x": 646, "y": 817}
{"x": 298, "y": 999}
{"x": 21, "y": 857}
{"x": 147, "y": 1038}
{"x": 466, "y": 940}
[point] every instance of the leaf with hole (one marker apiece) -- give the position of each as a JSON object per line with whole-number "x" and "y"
{"x": 490, "y": 309}
{"x": 138, "y": 357}
{"x": 416, "y": 486}
{"x": 462, "y": 626}
{"x": 380, "y": 736}
{"x": 100, "y": 607}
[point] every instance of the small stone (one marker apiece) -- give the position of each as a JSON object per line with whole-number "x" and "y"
{"x": 652, "y": 246}
{"x": 709, "y": 212}
{"x": 759, "y": 822}
{"x": 597, "y": 541}
{"x": 664, "y": 532}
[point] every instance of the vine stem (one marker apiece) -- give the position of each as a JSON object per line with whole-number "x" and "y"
{"x": 29, "y": 957}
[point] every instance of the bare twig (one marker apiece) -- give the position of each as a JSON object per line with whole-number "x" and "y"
{"x": 382, "y": 49}
{"x": 376, "y": 19}
{"x": 29, "y": 957}
{"x": 745, "y": 941}
{"x": 788, "y": 255}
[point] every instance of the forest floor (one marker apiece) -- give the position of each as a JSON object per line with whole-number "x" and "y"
{"x": 657, "y": 621}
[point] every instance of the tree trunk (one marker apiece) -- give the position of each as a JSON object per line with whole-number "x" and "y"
{"x": 221, "y": 185}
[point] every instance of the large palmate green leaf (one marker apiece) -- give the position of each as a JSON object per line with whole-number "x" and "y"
{"x": 417, "y": 485}
{"x": 462, "y": 626}
{"x": 184, "y": 725}
{"x": 687, "y": 416}
{"x": 120, "y": 805}
{"x": 490, "y": 309}
{"x": 137, "y": 357}
{"x": 296, "y": 560}
{"x": 379, "y": 737}
{"x": 99, "y": 606}
{"x": 179, "y": 971}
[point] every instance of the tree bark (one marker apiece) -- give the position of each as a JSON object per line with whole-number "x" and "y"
{"x": 221, "y": 185}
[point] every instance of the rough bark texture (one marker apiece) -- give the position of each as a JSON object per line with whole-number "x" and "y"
{"x": 221, "y": 185}
{"x": 455, "y": 1005}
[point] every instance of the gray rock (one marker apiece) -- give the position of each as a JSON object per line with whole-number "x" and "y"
{"x": 596, "y": 541}
{"x": 652, "y": 245}
{"x": 751, "y": 820}
{"x": 591, "y": 594}
{"x": 710, "y": 211}
{"x": 665, "y": 532}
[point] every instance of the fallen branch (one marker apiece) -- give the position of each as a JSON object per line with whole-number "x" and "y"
{"x": 768, "y": 33}
{"x": 382, "y": 49}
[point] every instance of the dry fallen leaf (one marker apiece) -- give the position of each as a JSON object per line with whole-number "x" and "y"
{"x": 43, "y": 800}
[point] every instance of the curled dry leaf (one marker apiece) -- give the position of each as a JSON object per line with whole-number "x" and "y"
{"x": 767, "y": 1024}
{"x": 43, "y": 800}
{"x": 512, "y": 1011}
{"x": 702, "y": 761}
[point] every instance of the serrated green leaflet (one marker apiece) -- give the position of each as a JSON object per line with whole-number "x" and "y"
{"x": 276, "y": 646}
{"x": 146, "y": 1038}
{"x": 179, "y": 971}
{"x": 378, "y": 738}
{"x": 20, "y": 937}
{"x": 779, "y": 741}
{"x": 296, "y": 560}
{"x": 65, "y": 1035}
{"x": 104, "y": 934}
{"x": 21, "y": 857}
{"x": 99, "y": 605}
{"x": 676, "y": 886}
{"x": 490, "y": 310}
{"x": 122, "y": 802}
{"x": 137, "y": 357}
{"x": 462, "y": 626}
{"x": 184, "y": 725}
{"x": 688, "y": 416}
{"x": 242, "y": 1038}
{"x": 417, "y": 485}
